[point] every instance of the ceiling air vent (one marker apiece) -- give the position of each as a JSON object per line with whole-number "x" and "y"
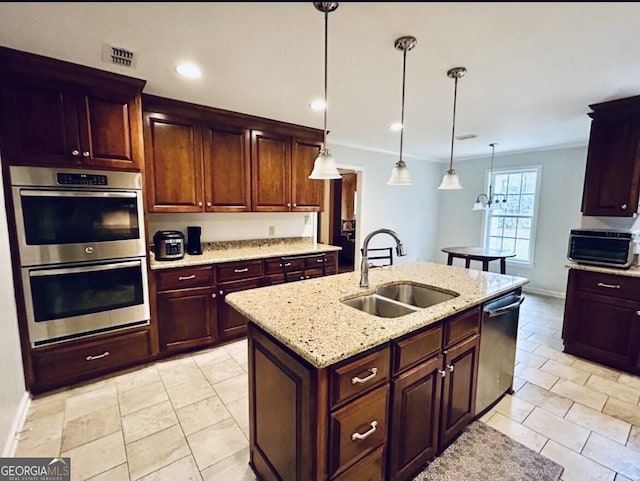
{"x": 119, "y": 56}
{"x": 466, "y": 136}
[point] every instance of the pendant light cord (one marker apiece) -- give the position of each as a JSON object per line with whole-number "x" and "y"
{"x": 493, "y": 149}
{"x": 453, "y": 125}
{"x": 326, "y": 56}
{"x": 404, "y": 69}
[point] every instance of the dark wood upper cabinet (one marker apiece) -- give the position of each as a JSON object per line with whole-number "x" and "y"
{"x": 307, "y": 195}
{"x": 271, "y": 172}
{"x": 612, "y": 177}
{"x": 60, "y": 114}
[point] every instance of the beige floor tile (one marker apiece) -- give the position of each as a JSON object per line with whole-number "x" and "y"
{"x": 580, "y": 394}
{"x": 576, "y": 467}
{"x": 594, "y": 368}
{"x": 234, "y": 467}
{"x": 486, "y": 416}
{"x": 615, "y": 389}
{"x": 147, "y": 421}
{"x": 622, "y": 410}
{"x": 554, "y": 403}
{"x": 156, "y": 451}
{"x": 90, "y": 427}
{"x": 184, "y": 469}
{"x": 213, "y": 444}
{"x": 551, "y": 342}
{"x": 536, "y": 376}
{"x": 47, "y": 406}
{"x": 142, "y": 397}
{"x": 560, "y": 430}
{"x": 137, "y": 378}
{"x": 41, "y": 432}
{"x": 557, "y": 356}
{"x": 237, "y": 347}
{"x": 209, "y": 356}
{"x": 239, "y": 409}
{"x": 634, "y": 438}
{"x": 245, "y": 431}
{"x": 232, "y": 389}
{"x": 614, "y": 456}
{"x": 90, "y": 401}
{"x": 221, "y": 371}
{"x": 566, "y": 372}
{"x": 527, "y": 345}
{"x": 517, "y": 431}
{"x": 180, "y": 373}
{"x": 91, "y": 385}
{"x": 119, "y": 473}
{"x": 546, "y": 331}
{"x": 96, "y": 456}
{"x": 40, "y": 449}
{"x": 604, "y": 424}
{"x": 531, "y": 360}
{"x": 518, "y": 383}
{"x": 202, "y": 414}
{"x": 629, "y": 380}
{"x": 513, "y": 407}
{"x": 191, "y": 391}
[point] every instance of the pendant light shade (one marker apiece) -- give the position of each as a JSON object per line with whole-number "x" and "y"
{"x": 450, "y": 181}
{"x": 324, "y": 166}
{"x": 400, "y": 173}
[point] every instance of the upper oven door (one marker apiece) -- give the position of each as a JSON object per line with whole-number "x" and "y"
{"x": 66, "y": 225}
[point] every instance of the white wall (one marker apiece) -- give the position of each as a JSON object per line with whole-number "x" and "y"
{"x": 12, "y": 391}
{"x": 559, "y": 211}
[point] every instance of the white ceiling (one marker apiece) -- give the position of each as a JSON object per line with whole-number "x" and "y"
{"x": 533, "y": 68}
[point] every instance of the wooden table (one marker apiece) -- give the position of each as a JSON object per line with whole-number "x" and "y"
{"x": 479, "y": 254}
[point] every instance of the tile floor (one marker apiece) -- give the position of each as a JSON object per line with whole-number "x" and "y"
{"x": 187, "y": 418}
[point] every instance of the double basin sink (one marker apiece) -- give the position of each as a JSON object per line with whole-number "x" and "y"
{"x": 399, "y": 299}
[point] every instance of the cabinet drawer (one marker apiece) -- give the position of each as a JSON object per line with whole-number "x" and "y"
{"x": 239, "y": 270}
{"x": 360, "y": 375}
{"x": 461, "y": 326}
{"x": 274, "y": 266}
{"x": 370, "y": 468}
{"x": 607, "y": 284}
{"x": 60, "y": 365}
{"x": 416, "y": 348}
{"x": 358, "y": 428}
{"x": 316, "y": 262}
{"x": 184, "y": 277}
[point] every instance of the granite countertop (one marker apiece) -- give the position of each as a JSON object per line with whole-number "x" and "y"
{"x": 309, "y": 318}
{"x": 217, "y": 252}
{"x": 633, "y": 271}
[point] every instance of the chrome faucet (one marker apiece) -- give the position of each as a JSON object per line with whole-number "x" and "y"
{"x": 364, "y": 265}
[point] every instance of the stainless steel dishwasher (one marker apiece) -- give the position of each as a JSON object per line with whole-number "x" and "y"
{"x": 498, "y": 333}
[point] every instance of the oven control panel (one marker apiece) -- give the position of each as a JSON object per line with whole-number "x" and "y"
{"x": 81, "y": 179}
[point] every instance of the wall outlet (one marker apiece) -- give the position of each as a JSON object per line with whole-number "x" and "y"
{"x": 272, "y": 230}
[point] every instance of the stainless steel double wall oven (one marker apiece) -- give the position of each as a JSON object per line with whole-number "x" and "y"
{"x": 82, "y": 251}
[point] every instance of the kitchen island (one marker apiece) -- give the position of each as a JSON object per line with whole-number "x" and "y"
{"x": 337, "y": 393}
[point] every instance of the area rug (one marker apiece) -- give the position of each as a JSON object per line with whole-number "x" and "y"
{"x": 483, "y": 454}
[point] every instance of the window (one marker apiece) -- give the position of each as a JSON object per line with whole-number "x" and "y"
{"x": 510, "y": 225}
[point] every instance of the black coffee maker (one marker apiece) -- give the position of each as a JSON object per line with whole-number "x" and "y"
{"x": 193, "y": 243}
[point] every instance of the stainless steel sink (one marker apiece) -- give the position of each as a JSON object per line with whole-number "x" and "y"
{"x": 418, "y": 295}
{"x": 379, "y": 306}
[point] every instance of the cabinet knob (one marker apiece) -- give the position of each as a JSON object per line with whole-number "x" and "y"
{"x": 213, "y": 296}
{"x": 450, "y": 367}
{"x": 75, "y": 153}
{"x": 623, "y": 206}
{"x": 288, "y": 204}
{"x": 85, "y": 153}
{"x": 442, "y": 372}
{"x": 221, "y": 293}
{"x": 295, "y": 205}
{"x": 208, "y": 204}
{"x": 199, "y": 204}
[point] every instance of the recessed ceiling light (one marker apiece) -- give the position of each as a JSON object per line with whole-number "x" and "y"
{"x": 189, "y": 70}
{"x": 318, "y": 105}
{"x": 396, "y": 126}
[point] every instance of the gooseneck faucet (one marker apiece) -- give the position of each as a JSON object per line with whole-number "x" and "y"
{"x": 364, "y": 265}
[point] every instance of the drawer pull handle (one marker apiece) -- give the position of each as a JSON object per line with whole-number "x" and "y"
{"x": 100, "y": 356}
{"x": 320, "y": 261}
{"x": 449, "y": 367}
{"x": 238, "y": 271}
{"x": 358, "y": 436}
{"x": 442, "y": 372}
{"x": 288, "y": 264}
{"x": 609, "y": 286}
{"x": 186, "y": 278}
{"x": 358, "y": 380}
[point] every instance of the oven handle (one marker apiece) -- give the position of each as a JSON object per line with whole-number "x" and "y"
{"x": 75, "y": 193}
{"x": 74, "y": 270}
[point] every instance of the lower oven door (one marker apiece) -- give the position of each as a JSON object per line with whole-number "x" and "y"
{"x": 68, "y": 301}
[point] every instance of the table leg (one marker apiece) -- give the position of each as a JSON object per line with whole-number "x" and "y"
{"x": 503, "y": 266}
{"x": 467, "y": 262}
{"x": 485, "y": 265}
{"x": 449, "y": 259}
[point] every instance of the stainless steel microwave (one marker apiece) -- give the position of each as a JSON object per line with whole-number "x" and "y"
{"x": 602, "y": 247}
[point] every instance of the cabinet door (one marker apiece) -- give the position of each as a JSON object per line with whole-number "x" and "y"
{"x": 307, "y": 194}
{"x": 110, "y": 129}
{"x": 612, "y": 178}
{"x": 173, "y": 152}
{"x": 415, "y": 419}
{"x": 227, "y": 169}
{"x": 459, "y": 389}
{"x": 186, "y": 318}
{"x": 230, "y": 322}
{"x": 42, "y": 122}
{"x": 270, "y": 172}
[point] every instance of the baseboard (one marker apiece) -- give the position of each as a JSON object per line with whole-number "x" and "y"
{"x": 544, "y": 292}
{"x": 11, "y": 443}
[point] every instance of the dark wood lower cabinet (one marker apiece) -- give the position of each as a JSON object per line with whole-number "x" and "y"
{"x": 231, "y": 323}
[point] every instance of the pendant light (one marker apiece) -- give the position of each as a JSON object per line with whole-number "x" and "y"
{"x": 400, "y": 173}
{"x": 324, "y": 166}
{"x": 450, "y": 180}
{"x": 484, "y": 201}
